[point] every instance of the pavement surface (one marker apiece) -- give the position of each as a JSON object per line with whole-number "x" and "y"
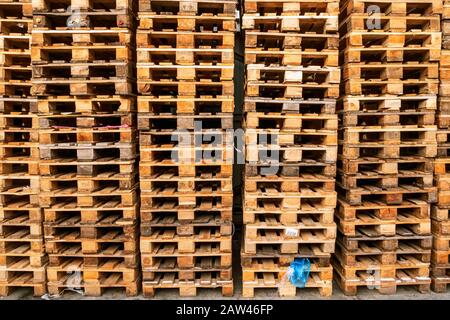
{"x": 404, "y": 293}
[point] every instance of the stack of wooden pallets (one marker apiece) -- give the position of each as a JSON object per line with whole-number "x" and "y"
{"x": 389, "y": 53}
{"x": 292, "y": 83}
{"x": 22, "y": 256}
{"x": 185, "y": 62}
{"x": 82, "y": 56}
{"x": 440, "y": 263}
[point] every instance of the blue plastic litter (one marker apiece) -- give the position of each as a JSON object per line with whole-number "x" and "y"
{"x": 298, "y": 272}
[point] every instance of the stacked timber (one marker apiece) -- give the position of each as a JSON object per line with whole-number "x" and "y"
{"x": 185, "y": 66}
{"x": 22, "y": 255}
{"x": 82, "y": 59}
{"x": 292, "y": 83}
{"x": 440, "y": 223}
{"x": 389, "y": 54}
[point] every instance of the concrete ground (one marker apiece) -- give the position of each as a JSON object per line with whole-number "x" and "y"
{"x": 403, "y": 293}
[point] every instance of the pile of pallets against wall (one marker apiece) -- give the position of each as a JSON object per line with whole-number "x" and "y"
{"x": 440, "y": 224}
{"x": 185, "y": 62}
{"x": 389, "y": 53}
{"x": 22, "y": 256}
{"x": 82, "y": 56}
{"x": 292, "y": 82}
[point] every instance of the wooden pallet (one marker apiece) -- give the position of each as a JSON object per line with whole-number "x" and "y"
{"x": 306, "y": 225}
{"x": 285, "y": 106}
{"x": 187, "y": 121}
{"x": 93, "y": 288}
{"x": 184, "y": 244}
{"x": 197, "y": 138}
{"x": 209, "y": 23}
{"x": 89, "y": 105}
{"x": 290, "y": 122}
{"x": 109, "y": 226}
{"x": 185, "y": 105}
{"x": 326, "y": 58}
{"x": 187, "y": 155}
{"x": 290, "y": 245}
{"x": 388, "y": 23}
{"x": 391, "y": 118}
{"x": 182, "y": 40}
{"x": 171, "y": 224}
{"x": 183, "y": 214}
{"x": 115, "y": 5}
{"x": 23, "y": 280}
{"x": 187, "y": 288}
{"x": 289, "y": 184}
{"x": 379, "y": 53}
{"x": 79, "y": 19}
{"x": 273, "y": 154}
{"x": 364, "y": 40}
{"x": 330, "y": 7}
{"x": 112, "y": 42}
{"x": 371, "y": 254}
{"x": 60, "y": 244}
{"x": 87, "y": 168}
{"x": 81, "y": 87}
{"x": 368, "y": 279}
{"x": 188, "y": 185}
{"x": 385, "y": 181}
{"x": 428, "y": 7}
{"x": 85, "y": 136}
{"x": 392, "y": 135}
{"x": 185, "y": 199}
{"x": 163, "y": 73}
{"x": 390, "y": 151}
{"x": 390, "y": 196}
{"x": 390, "y": 71}
{"x": 108, "y": 268}
{"x": 288, "y": 217}
{"x": 9, "y": 105}
{"x": 297, "y": 90}
{"x": 21, "y": 254}
{"x": 72, "y": 152}
{"x": 379, "y": 210}
{"x": 377, "y": 166}
{"x": 94, "y": 215}
{"x": 115, "y": 252}
{"x": 21, "y": 240}
{"x": 321, "y": 23}
{"x": 185, "y": 88}
{"x": 185, "y": 261}
{"x": 198, "y": 7}
{"x": 19, "y": 225}
{"x": 65, "y": 194}
{"x": 82, "y": 70}
{"x": 267, "y": 274}
{"x": 96, "y": 122}
{"x": 174, "y": 55}
{"x": 275, "y": 40}
{"x": 391, "y": 87}
{"x": 373, "y": 226}
{"x": 289, "y": 200}
{"x": 303, "y": 138}
{"x": 269, "y": 254}
{"x": 371, "y": 104}
{"x": 168, "y": 169}
{"x": 306, "y": 169}
{"x": 85, "y": 184}
{"x": 169, "y": 266}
